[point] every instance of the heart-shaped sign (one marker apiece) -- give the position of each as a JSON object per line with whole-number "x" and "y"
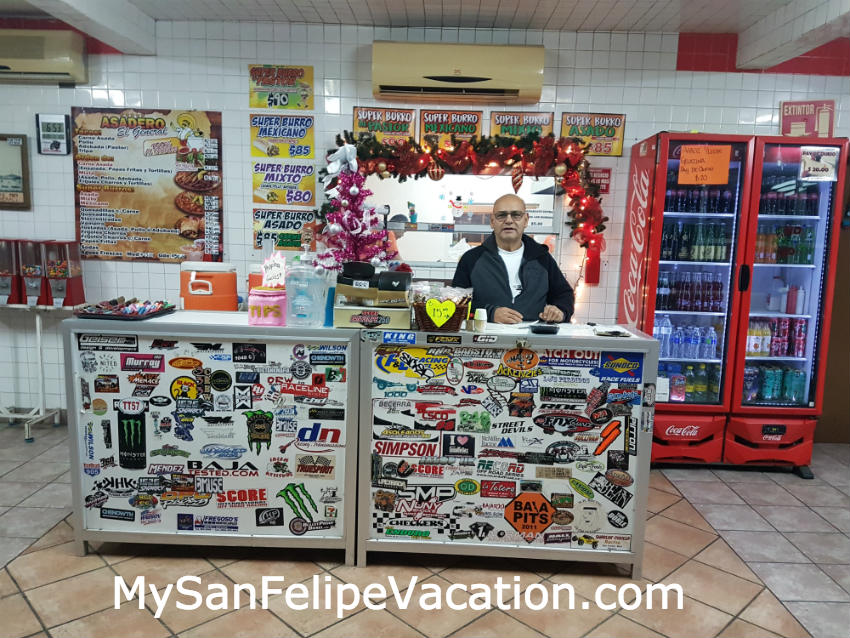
{"x": 440, "y": 311}
{"x": 462, "y": 439}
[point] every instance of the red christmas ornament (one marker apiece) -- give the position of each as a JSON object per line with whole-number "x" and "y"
{"x": 516, "y": 177}
{"x": 435, "y": 171}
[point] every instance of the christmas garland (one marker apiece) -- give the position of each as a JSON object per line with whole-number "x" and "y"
{"x": 528, "y": 155}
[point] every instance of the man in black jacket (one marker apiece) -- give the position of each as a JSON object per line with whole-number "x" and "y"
{"x": 512, "y": 276}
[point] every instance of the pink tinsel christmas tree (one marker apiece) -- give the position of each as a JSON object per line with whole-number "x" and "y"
{"x": 353, "y": 232}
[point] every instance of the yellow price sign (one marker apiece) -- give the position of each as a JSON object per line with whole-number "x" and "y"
{"x": 440, "y": 311}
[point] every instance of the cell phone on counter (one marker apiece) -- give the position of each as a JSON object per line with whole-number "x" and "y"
{"x": 543, "y": 328}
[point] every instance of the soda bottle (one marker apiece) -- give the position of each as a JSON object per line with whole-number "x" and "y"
{"x": 693, "y": 200}
{"x": 678, "y": 385}
{"x": 681, "y": 200}
{"x": 673, "y": 299}
{"x": 794, "y": 252}
{"x": 703, "y": 199}
{"x": 665, "y": 329}
{"x": 809, "y": 246}
{"x": 760, "y": 237}
{"x": 713, "y": 200}
{"x": 697, "y": 293}
{"x": 812, "y": 204}
{"x": 662, "y": 296}
{"x": 701, "y": 384}
{"x": 667, "y": 242}
{"x": 677, "y": 343}
{"x": 726, "y": 202}
{"x": 685, "y": 239}
{"x": 753, "y": 340}
{"x": 772, "y": 247}
{"x": 690, "y": 382}
{"x": 670, "y": 200}
{"x": 674, "y": 241}
{"x": 685, "y": 292}
{"x": 697, "y": 246}
{"x": 710, "y": 241}
{"x": 792, "y": 203}
{"x": 717, "y": 293}
{"x": 766, "y": 336}
{"x": 714, "y": 384}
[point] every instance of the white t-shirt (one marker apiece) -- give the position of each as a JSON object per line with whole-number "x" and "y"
{"x": 513, "y": 259}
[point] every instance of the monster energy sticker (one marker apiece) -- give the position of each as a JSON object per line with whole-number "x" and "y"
{"x": 297, "y": 498}
{"x": 132, "y": 451}
{"x": 259, "y": 424}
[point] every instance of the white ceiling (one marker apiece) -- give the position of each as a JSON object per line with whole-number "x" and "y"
{"x": 701, "y": 16}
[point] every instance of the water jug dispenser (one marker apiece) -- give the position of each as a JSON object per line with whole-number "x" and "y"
{"x": 305, "y": 293}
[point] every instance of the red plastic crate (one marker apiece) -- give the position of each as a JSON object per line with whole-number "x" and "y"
{"x": 769, "y": 441}
{"x": 682, "y": 438}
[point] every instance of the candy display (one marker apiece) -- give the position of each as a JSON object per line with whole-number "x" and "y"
{"x": 128, "y": 310}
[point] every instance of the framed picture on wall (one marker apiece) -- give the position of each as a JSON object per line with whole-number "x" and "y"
{"x": 14, "y": 172}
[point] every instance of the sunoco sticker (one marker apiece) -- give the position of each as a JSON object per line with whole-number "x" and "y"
{"x": 620, "y": 366}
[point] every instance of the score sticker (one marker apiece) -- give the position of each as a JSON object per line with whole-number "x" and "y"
{"x": 440, "y": 311}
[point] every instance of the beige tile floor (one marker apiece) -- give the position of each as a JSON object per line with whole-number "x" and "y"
{"x": 757, "y": 554}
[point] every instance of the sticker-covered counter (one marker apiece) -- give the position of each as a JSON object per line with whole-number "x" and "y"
{"x": 195, "y": 428}
{"x": 506, "y": 444}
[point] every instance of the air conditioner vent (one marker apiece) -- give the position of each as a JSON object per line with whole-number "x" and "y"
{"x": 42, "y": 57}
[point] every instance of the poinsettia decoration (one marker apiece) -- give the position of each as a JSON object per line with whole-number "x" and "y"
{"x": 529, "y": 155}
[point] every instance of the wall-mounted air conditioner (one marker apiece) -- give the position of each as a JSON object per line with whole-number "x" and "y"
{"x": 36, "y": 56}
{"x": 457, "y": 72}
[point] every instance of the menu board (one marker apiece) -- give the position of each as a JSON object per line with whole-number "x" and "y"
{"x": 520, "y": 123}
{"x": 463, "y": 125}
{"x": 603, "y": 131}
{"x": 280, "y": 87}
{"x": 189, "y": 437}
{"x": 290, "y": 136}
{"x": 386, "y": 125}
{"x": 148, "y": 184}
{"x": 504, "y": 446}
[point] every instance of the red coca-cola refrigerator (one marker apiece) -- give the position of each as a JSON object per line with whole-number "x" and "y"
{"x": 728, "y": 250}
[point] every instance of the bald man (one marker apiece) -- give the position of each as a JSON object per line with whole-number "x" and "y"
{"x": 512, "y": 276}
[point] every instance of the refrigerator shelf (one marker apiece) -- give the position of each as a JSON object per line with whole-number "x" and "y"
{"x": 691, "y": 360}
{"x": 696, "y": 263}
{"x": 760, "y": 358}
{"x": 689, "y": 312}
{"x": 671, "y": 213}
{"x": 778, "y": 315}
{"x": 789, "y": 217}
{"x": 785, "y": 265}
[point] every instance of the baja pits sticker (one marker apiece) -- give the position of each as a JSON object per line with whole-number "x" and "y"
{"x": 530, "y": 514}
{"x": 620, "y": 366}
{"x": 108, "y": 343}
{"x": 112, "y": 513}
{"x": 315, "y": 466}
{"x": 619, "y": 496}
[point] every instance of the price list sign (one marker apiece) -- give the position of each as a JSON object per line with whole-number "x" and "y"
{"x": 148, "y": 184}
{"x": 280, "y": 87}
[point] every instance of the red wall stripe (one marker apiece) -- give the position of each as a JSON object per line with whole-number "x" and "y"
{"x": 717, "y": 51}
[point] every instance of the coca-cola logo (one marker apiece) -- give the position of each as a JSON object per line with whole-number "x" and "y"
{"x": 691, "y": 431}
{"x": 637, "y": 230}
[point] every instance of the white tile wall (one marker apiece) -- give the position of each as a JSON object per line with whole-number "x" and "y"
{"x": 204, "y": 64}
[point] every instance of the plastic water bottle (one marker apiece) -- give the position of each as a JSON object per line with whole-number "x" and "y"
{"x": 709, "y": 344}
{"x": 665, "y": 329}
{"x": 677, "y": 343}
{"x": 693, "y": 338}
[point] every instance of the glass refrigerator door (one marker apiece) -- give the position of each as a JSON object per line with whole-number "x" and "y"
{"x": 789, "y": 271}
{"x": 694, "y": 295}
